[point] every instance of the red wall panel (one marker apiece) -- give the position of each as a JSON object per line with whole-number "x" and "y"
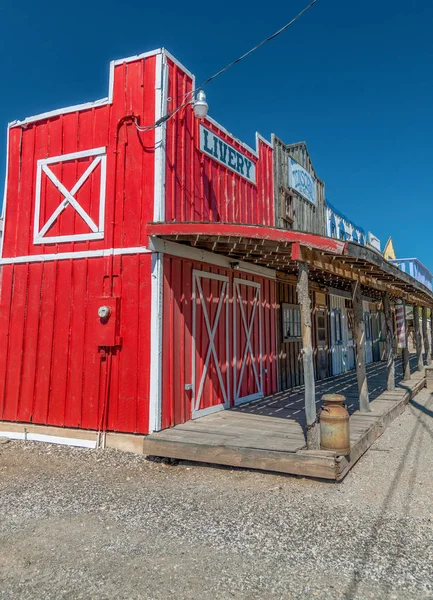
{"x": 52, "y": 371}
{"x": 200, "y": 189}
{"x": 130, "y": 168}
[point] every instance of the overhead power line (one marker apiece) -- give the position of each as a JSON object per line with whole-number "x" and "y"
{"x": 169, "y": 115}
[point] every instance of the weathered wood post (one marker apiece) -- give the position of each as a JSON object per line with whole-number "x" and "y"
{"x": 359, "y": 330}
{"x": 389, "y": 335}
{"x": 313, "y": 431}
{"x": 425, "y": 335}
{"x": 418, "y": 342}
{"x": 405, "y": 352}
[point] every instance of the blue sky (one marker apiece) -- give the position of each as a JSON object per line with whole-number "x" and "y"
{"x": 352, "y": 79}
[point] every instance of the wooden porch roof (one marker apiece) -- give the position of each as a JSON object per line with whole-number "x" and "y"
{"x": 331, "y": 262}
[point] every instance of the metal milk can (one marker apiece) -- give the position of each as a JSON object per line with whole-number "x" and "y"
{"x": 334, "y": 424}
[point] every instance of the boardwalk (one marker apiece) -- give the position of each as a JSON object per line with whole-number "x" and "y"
{"x": 269, "y": 433}
{"x": 290, "y": 404}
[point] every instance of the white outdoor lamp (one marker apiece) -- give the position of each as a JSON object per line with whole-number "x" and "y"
{"x": 200, "y": 105}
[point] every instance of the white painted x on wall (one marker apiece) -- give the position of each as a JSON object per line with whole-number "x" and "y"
{"x": 96, "y": 230}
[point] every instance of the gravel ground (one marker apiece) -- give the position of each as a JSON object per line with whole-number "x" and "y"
{"x": 77, "y": 523}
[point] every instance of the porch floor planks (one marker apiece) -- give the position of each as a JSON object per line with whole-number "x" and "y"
{"x": 268, "y": 433}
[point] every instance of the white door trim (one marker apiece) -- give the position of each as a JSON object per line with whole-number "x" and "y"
{"x": 211, "y": 351}
{"x": 248, "y": 346}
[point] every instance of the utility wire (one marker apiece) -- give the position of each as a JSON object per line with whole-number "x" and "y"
{"x": 169, "y": 115}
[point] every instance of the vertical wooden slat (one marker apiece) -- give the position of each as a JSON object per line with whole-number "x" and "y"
{"x": 312, "y": 433}
{"x": 425, "y": 334}
{"x": 405, "y": 353}
{"x": 359, "y": 332}
{"x": 418, "y": 340}
{"x": 389, "y": 336}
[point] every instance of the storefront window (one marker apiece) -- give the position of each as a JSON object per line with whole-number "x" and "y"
{"x": 338, "y": 331}
{"x": 291, "y": 322}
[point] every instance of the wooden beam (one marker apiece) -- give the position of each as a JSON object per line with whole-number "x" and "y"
{"x": 418, "y": 341}
{"x": 425, "y": 335}
{"x": 405, "y": 353}
{"x": 374, "y": 258}
{"x": 359, "y": 327}
{"x": 312, "y": 432}
{"x": 389, "y": 336}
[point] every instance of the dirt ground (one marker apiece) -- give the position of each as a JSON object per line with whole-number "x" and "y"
{"x": 78, "y": 523}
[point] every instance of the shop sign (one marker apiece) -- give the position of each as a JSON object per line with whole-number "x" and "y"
{"x": 218, "y": 149}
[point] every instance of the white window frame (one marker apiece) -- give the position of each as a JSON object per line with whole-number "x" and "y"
{"x": 97, "y": 229}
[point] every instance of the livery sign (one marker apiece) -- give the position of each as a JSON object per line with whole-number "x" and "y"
{"x": 226, "y": 155}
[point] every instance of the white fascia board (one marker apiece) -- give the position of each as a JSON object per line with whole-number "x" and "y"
{"x": 156, "y": 324}
{"x": 263, "y": 140}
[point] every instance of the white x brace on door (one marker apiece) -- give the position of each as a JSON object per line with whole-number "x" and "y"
{"x": 210, "y": 391}
{"x": 96, "y": 230}
{"x": 248, "y": 382}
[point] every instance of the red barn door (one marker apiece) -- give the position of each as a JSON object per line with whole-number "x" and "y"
{"x": 210, "y": 343}
{"x": 248, "y": 384}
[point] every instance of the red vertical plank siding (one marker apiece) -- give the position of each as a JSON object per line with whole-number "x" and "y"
{"x": 30, "y": 343}
{"x": 73, "y": 407}
{"x": 18, "y": 317}
{"x": 44, "y": 352}
{"x": 200, "y": 189}
{"x": 6, "y": 275}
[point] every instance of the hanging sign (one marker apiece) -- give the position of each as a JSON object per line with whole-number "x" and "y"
{"x": 302, "y": 181}
{"x": 401, "y": 325}
{"x": 226, "y": 155}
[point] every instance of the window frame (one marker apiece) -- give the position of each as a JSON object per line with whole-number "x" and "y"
{"x": 368, "y": 326}
{"x": 338, "y": 338}
{"x": 296, "y": 322}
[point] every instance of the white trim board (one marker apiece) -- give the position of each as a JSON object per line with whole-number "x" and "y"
{"x": 161, "y": 89}
{"x": 181, "y": 250}
{"x": 263, "y": 140}
{"x": 31, "y": 258}
{"x": 5, "y": 192}
{"x": 50, "y": 439}
{"x": 155, "y": 395}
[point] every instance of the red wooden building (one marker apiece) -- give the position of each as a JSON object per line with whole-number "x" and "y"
{"x": 144, "y": 280}
{"x": 181, "y": 331}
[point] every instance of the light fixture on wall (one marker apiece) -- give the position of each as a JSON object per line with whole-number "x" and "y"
{"x": 200, "y": 105}
{"x": 235, "y": 266}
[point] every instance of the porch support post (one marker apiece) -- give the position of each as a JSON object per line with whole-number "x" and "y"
{"x": 361, "y": 374}
{"x": 405, "y": 352}
{"x": 418, "y": 341}
{"x": 425, "y": 335}
{"x": 389, "y": 334}
{"x": 313, "y": 432}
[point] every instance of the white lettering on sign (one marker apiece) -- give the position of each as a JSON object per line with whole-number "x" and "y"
{"x": 302, "y": 181}
{"x": 219, "y": 150}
